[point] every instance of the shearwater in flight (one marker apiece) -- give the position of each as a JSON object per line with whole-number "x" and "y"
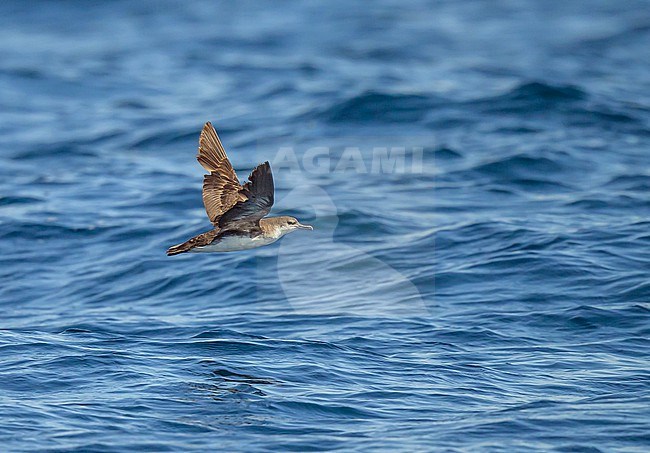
{"x": 236, "y": 211}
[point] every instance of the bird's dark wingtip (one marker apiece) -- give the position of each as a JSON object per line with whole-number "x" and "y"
{"x": 177, "y": 249}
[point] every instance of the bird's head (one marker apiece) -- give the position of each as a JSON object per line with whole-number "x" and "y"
{"x": 288, "y": 224}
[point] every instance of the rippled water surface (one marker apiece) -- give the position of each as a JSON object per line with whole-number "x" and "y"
{"x": 489, "y": 294}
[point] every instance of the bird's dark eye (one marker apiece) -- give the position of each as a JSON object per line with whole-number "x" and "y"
{"x": 292, "y": 222}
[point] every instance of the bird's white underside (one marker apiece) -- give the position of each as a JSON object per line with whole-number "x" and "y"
{"x": 235, "y": 243}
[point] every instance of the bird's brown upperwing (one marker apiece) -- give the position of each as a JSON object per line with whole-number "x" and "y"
{"x": 221, "y": 188}
{"x": 258, "y": 195}
{"x": 227, "y": 203}
{"x": 201, "y": 240}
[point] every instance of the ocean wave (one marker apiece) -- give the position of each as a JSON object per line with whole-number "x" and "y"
{"x": 376, "y": 106}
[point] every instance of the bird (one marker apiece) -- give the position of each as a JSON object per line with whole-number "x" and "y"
{"x": 237, "y": 211}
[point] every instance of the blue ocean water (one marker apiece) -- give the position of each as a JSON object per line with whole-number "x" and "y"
{"x": 489, "y": 291}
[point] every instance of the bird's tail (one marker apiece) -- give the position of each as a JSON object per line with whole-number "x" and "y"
{"x": 180, "y": 248}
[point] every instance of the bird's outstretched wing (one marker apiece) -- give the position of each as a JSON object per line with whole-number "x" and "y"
{"x": 258, "y": 195}
{"x": 221, "y": 188}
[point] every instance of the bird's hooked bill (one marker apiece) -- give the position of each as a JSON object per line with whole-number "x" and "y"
{"x": 305, "y": 227}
